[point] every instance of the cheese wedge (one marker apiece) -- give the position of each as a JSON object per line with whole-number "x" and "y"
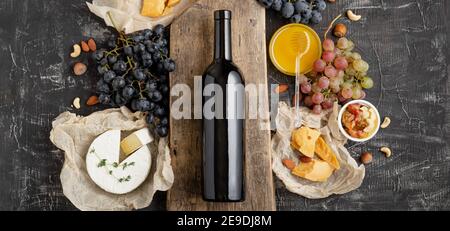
{"x": 326, "y": 154}
{"x": 104, "y": 168}
{"x": 172, "y": 3}
{"x": 135, "y": 141}
{"x": 304, "y": 140}
{"x": 153, "y": 8}
{"x": 316, "y": 170}
{"x": 167, "y": 11}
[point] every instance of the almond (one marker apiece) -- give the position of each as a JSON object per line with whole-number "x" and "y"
{"x": 79, "y": 69}
{"x": 305, "y": 159}
{"x": 84, "y": 46}
{"x": 93, "y": 100}
{"x": 281, "y": 88}
{"x": 288, "y": 163}
{"x": 92, "y": 45}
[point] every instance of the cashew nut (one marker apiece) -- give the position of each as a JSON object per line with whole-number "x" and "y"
{"x": 76, "y": 103}
{"x": 76, "y": 51}
{"x": 352, "y": 16}
{"x": 387, "y": 151}
{"x": 386, "y": 122}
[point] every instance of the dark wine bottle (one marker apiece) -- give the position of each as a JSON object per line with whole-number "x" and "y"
{"x": 223, "y": 120}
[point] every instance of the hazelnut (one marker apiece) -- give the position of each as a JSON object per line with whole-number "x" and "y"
{"x": 79, "y": 68}
{"x": 340, "y": 30}
{"x": 366, "y": 158}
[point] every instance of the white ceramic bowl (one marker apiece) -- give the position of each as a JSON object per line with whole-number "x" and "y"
{"x": 341, "y": 127}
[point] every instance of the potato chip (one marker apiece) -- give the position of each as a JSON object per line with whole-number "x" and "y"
{"x": 304, "y": 140}
{"x": 316, "y": 170}
{"x": 326, "y": 154}
{"x": 172, "y": 3}
{"x": 167, "y": 11}
{"x": 153, "y": 8}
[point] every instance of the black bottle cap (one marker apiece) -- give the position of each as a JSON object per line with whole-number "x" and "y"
{"x": 222, "y": 14}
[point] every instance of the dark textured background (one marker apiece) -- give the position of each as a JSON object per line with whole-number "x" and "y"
{"x": 405, "y": 41}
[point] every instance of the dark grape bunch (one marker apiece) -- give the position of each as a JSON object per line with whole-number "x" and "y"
{"x": 298, "y": 11}
{"x": 134, "y": 72}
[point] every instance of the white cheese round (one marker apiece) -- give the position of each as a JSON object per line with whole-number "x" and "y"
{"x": 102, "y": 164}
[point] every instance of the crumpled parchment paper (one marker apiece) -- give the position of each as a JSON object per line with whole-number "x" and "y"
{"x": 127, "y": 14}
{"x": 74, "y": 134}
{"x": 349, "y": 177}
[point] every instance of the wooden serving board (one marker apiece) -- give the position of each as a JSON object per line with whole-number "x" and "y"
{"x": 192, "y": 38}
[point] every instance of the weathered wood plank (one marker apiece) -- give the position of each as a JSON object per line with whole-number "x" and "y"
{"x": 191, "y": 47}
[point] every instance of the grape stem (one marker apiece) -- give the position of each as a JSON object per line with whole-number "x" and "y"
{"x": 162, "y": 55}
{"x": 108, "y": 53}
{"x": 326, "y": 93}
{"x": 113, "y": 22}
{"x": 331, "y": 25}
{"x": 126, "y": 41}
{"x": 121, "y": 33}
{"x": 132, "y": 66}
{"x": 140, "y": 90}
{"x": 151, "y": 74}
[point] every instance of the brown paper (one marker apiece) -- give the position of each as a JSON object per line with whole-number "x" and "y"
{"x": 127, "y": 17}
{"x": 349, "y": 177}
{"x": 74, "y": 134}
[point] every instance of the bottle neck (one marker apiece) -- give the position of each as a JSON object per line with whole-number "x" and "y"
{"x": 222, "y": 49}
